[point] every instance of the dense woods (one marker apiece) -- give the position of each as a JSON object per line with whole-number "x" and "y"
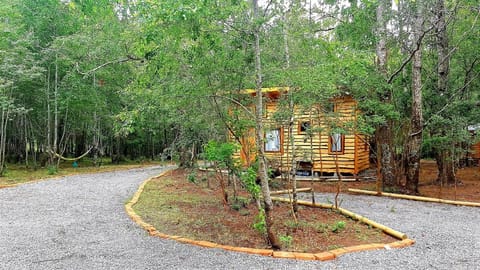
{"x": 124, "y": 79}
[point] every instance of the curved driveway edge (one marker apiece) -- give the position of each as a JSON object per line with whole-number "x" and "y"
{"x": 321, "y": 256}
{"x": 79, "y": 222}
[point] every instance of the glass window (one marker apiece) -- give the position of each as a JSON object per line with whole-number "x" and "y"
{"x": 272, "y": 140}
{"x": 337, "y": 142}
{"x": 304, "y": 126}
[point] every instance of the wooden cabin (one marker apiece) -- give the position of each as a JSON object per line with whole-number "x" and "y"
{"x": 316, "y": 148}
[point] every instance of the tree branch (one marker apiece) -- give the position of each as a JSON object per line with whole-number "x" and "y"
{"x": 217, "y": 109}
{"x": 235, "y": 102}
{"x": 325, "y": 29}
{"x": 118, "y": 61}
{"x": 418, "y": 44}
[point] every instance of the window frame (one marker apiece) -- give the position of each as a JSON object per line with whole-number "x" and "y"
{"x": 280, "y": 138}
{"x": 300, "y": 125}
{"x": 331, "y": 143}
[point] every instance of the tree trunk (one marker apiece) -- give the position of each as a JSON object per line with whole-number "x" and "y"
{"x": 384, "y": 133}
{"x": 33, "y": 147}
{"x": 293, "y": 174}
{"x": 262, "y": 166}
{"x": 3, "y": 138}
{"x": 443, "y": 66}
{"x": 49, "y": 120}
{"x": 444, "y": 157}
{"x": 55, "y": 111}
{"x": 286, "y": 49}
{"x": 414, "y": 143}
{"x": 446, "y": 167}
{"x": 381, "y": 49}
{"x": 385, "y": 155}
{"x": 96, "y": 128}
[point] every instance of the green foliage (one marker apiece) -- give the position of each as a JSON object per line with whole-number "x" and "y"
{"x": 239, "y": 203}
{"x": 220, "y": 153}
{"x": 358, "y": 31}
{"x": 249, "y": 178}
{"x": 338, "y": 226}
{"x": 52, "y": 170}
{"x": 192, "y": 177}
{"x": 260, "y": 223}
{"x": 286, "y": 240}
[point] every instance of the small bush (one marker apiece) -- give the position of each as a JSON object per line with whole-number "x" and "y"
{"x": 52, "y": 170}
{"x": 338, "y": 226}
{"x": 286, "y": 240}
{"x": 192, "y": 177}
{"x": 260, "y": 224}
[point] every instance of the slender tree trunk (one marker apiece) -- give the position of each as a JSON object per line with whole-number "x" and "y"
{"x": 312, "y": 157}
{"x": 55, "y": 109}
{"x": 96, "y": 129}
{"x": 339, "y": 175}
{"x": 262, "y": 166}
{"x": 33, "y": 146}
{"x": 291, "y": 139}
{"x": 414, "y": 143}
{"x": 3, "y": 138}
{"x": 49, "y": 120}
{"x": 25, "y": 136}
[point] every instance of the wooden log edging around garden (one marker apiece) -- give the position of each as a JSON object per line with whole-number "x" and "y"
{"x": 415, "y": 198}
{"x": 8, "y": 186}
{"x": 321, "y": 256}
{"x": 387, "y": 230}
{"x": 278, "y": 192}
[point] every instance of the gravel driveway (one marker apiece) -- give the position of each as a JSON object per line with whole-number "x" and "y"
{"x": 79, "y": 222}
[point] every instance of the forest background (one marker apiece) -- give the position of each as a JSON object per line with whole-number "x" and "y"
{"x": 129, "y": 79}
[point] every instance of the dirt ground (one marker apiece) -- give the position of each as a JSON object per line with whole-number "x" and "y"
{"x": 467, "y": 188}
{"x": 181, "y": 203}
{"x": 190, "y": 204}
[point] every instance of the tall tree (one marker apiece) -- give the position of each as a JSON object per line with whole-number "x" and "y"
{"x": 443, "y": 156}
{"x": 259, "y": 130}
{"x": 414, "y": 142}
{"x": 384, "y": 133}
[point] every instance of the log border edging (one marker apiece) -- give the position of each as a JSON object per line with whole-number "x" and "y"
{"x": 321, "y": 256}
{"x": 414, "y": 198}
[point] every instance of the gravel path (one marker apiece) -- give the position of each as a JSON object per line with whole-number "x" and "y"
{"x": 79, "y": 222}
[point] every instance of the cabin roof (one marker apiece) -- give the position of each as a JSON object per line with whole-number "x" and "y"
{"x": 276, "y": 92}
{"x": 271, "y": 92}
{"x": 266, "y": 90}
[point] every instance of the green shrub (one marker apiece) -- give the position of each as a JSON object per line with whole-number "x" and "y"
{"x": 260, "y": 224}
{"x": 338, "y": 226}
{"x": 52, "y": 170}
{"x": 192, "y": 177}
{"x": 286, "y": 240}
